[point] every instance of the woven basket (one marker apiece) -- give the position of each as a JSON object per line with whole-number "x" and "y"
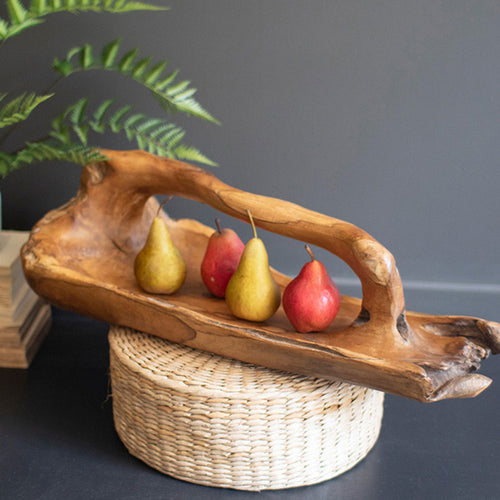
{"x": 219, "y": 422}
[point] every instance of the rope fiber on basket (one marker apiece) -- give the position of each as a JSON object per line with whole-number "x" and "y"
{"x": 215, "y": 421}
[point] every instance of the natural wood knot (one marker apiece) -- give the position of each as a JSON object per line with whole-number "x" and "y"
{"x": 378, "y": 260}
{"x": 491, "y": 334}
{"x": 94, "y": 173}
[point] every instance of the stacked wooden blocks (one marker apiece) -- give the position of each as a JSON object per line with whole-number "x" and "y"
{"x": 25, "y": 318}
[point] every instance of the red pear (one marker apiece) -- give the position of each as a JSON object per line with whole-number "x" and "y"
{"x": 311, "y": 300}
{"x": 222, "y": 257}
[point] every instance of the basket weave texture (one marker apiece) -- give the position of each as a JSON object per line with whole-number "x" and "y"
{"x": 215, "y": 421}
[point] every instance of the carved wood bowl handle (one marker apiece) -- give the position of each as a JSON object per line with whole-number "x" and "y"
{"x": 136, "y": 175}
{"x": 79, "y": 257}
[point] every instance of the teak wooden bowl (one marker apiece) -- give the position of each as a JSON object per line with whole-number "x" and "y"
{"x": 80, "y": 257}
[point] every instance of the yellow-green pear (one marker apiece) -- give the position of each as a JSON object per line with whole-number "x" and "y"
{"x": 159, "y": 266}
{"x": 252, "y": 293}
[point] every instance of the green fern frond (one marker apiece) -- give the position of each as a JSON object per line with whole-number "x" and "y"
{"x": 17, "y": 12}
{"x": 189, "y": 153}
{"x": 173, "y": 96}
{"x": 48, "y": 150}
{"x": 151, "y": 134}
{"x": 3, "y": 28}
{"x": 5, "y": 164}
{"x": 21, "y": 18}
{"x": 20, "y": 108}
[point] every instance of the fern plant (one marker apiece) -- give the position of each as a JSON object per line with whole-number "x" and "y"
{"x": 69, "y": 135}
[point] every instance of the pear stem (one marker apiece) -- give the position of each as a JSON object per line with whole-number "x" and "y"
{"x": 310, "y": 252}
{"x": 161, "y": 205}
{"x": 252, "y": 222}
{"x": 217, "y": 223}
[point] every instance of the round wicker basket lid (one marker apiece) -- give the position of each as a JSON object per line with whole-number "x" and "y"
{"x": 211, "y": 420}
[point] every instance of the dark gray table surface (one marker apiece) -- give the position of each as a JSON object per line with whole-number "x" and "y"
{"x": 57, "y": 439}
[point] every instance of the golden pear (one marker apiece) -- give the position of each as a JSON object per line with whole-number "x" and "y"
{"x": 159, "y": 266}
{"x": 252, "y": 293}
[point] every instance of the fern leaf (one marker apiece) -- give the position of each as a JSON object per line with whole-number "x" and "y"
{"x": 161, "y": 131}
{"x": 131, "y": 6}
{"x": 48, "y": 151}
{"x": 3, "y": 28}
{"x": 21, "y": 18}
{"x": 151, "y": 134}
{"x": 175, "y": 140}
{"x": 126, "y": 62}
{"x": 42, "y": 7}
{"x": 65, "y": 67}
{"x": 130, "y": 123}
{"x": 12, "y": 30}
{"x": 82, "y": 133}
{"x": 109, "y": 53}
{"x": 37, "y": 7}
{"x": 154, "y": 73}
{"x": 75, "y": 153}
{"x": 86, "y": 59}
{"x": 72, "y": 52}
{"x": 20, "y": 108}
{"x": 77, "y": 111}
{"x": 100, "y": 113}
{"x": 17, "y": 12}
{"x": 140, "y": 67}
{"x": 60, "y": 131}
{"x": 5, "y": 164}
{"x": 167, "y": 136}
{"x": 189, "y": 153}
{"x": 188, "y": 106}
{"x": 173, "y": 96}
{"x": 148, "y": 127}
{"x": 192, "y": 107}
{"x": 177, "y": 88}
{"x": 182, "y": 96}
{"x": 160, "y": 86}
{"x": 114, "y": 121}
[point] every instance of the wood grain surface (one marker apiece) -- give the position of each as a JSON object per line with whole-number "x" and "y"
{"x": 80, "y": 257}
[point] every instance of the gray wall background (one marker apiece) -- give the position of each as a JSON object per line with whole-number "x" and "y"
{"x": 382, "y": 113}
